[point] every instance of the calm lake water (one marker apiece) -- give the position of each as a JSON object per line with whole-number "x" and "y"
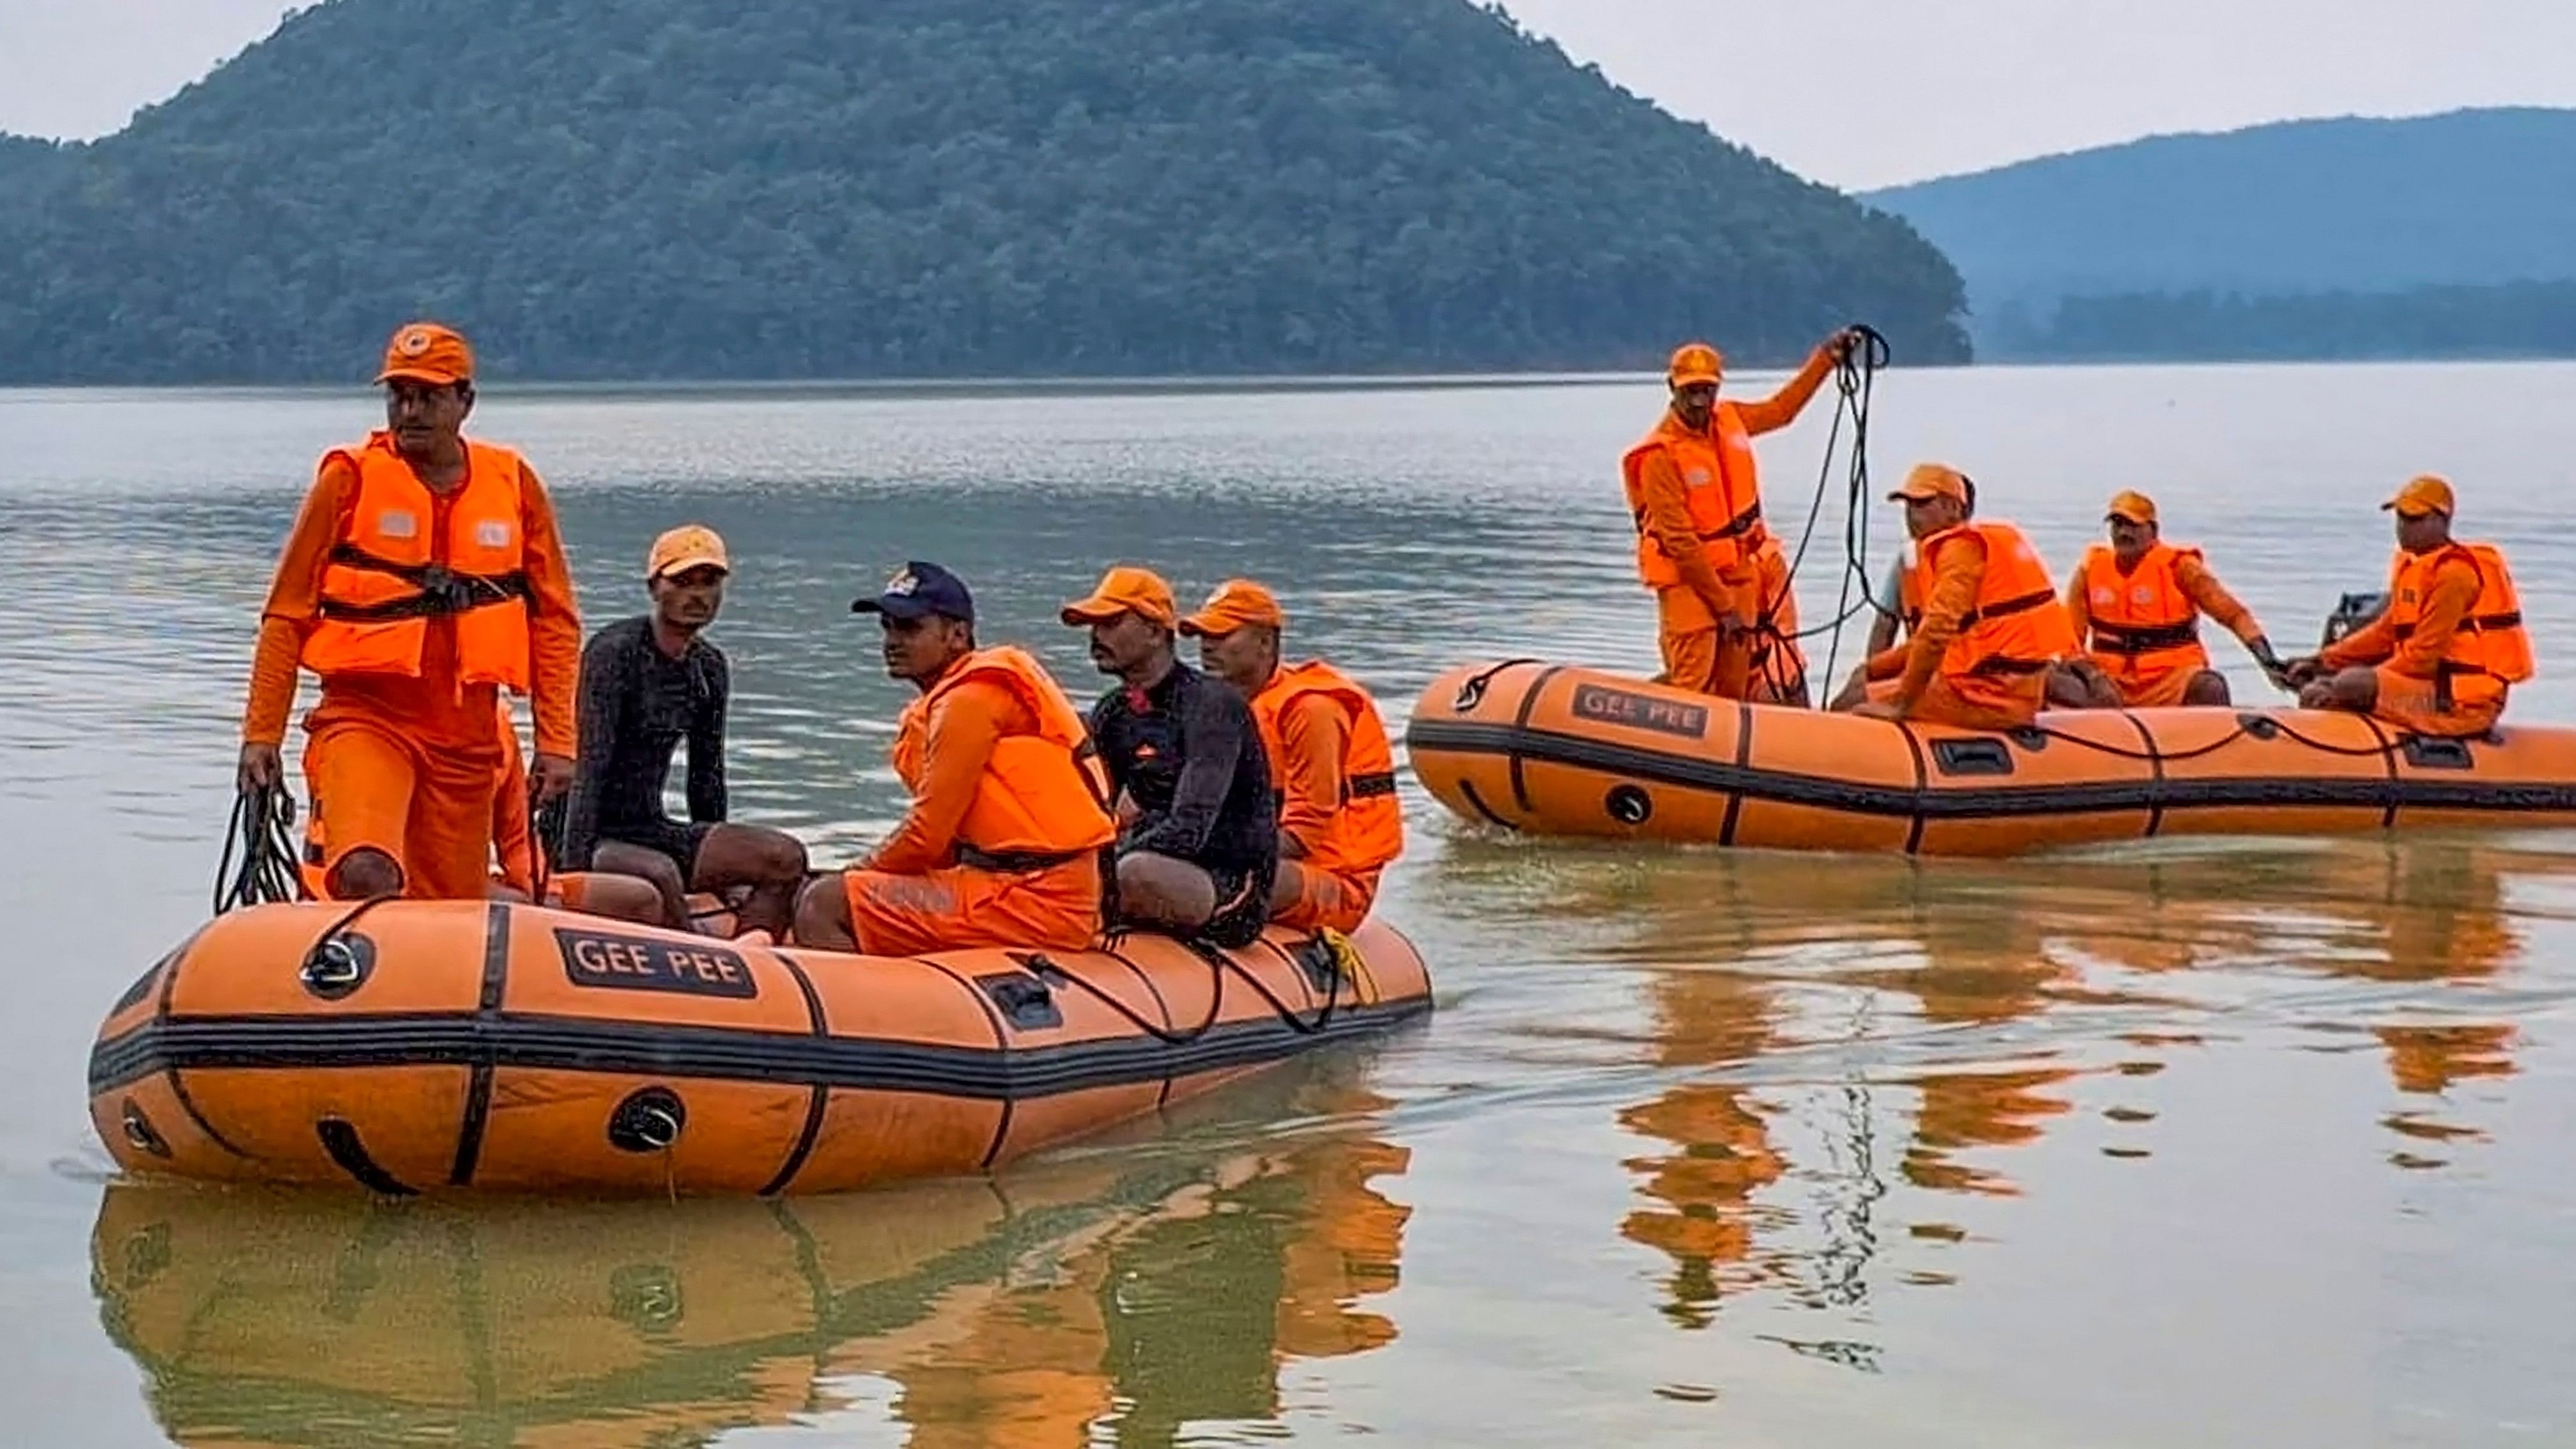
{"x": 2247, "y": 1142}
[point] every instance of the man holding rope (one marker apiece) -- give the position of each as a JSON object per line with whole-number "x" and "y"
{"x": 1694, "y": 492}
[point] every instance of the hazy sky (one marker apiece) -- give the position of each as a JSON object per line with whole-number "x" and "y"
{"x": 1854, "y": 92}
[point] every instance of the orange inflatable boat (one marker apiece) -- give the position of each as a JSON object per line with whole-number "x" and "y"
{"x": 1556, "y": 750}
{"x": 438, "y": 1046}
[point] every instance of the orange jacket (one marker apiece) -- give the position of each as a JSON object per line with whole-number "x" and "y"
{"x": 2147, "y": 621}
{"x": 393, "y": 569}
{"x": 427, "y": 676}
{"x": 1697, "y": 497}
{"x": 2453, "y": 612}
{"x": 1329, "y": 752}
{"x": 1001, "y": 771}
{"x": 1989, "y": 608}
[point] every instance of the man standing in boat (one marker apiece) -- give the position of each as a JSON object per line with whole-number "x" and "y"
{"x": 2441, "y": 658}
{"x": 1340, "y": 824}
{"x": 1992, "y": 628}
{"x": 1201, "y": 855}
{"x": 424, "y": 575}
{"x": 2137, "y": 602}
{"x": 647, "y": 683}
{"x": 1696, "y": 498}
{"x": 1009, "y": 806}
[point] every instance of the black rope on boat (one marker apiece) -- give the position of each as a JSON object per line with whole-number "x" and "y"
{"x": 258, "y": 867}
{"x": 1855, "y": 384}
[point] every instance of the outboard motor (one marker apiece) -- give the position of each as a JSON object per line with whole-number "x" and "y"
{"x": 2353, "y": 611}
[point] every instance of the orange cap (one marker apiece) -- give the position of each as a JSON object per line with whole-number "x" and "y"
{"x": 2427, "y": 494}
{"x": 1236, "y": 604}
{"x": 2133, "y": 506}
{"x": 689, "y": 546}
{"x": 427, "y": 352}
{"x": 1931, "y": 480}
{"x": 1696, "y": 362}
{"x": 1125, "y": 589}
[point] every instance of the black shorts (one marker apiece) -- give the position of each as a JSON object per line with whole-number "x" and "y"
{"x": 665, "y": 837}
{"x": 1242, "y": 908}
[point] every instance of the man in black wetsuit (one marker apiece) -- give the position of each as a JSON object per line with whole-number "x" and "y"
{"x": 646, "y": 684}
{"x": 1202, "y": 850}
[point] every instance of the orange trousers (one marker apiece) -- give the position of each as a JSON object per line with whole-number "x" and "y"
{"x": 1972, "y": 702}
{"x": 1696, "y": 656}
{"x": 957, "y": 907}
{"x": 1325, "y": 899}
{"x": 375, "y": 787}
{"x": 2408, "y": 703}
{"x": 2157, "y": 688}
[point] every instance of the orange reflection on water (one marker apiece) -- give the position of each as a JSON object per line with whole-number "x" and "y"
{"x": 1152, "y": 1292}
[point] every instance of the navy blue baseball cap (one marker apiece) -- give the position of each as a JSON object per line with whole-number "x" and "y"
{"x": 919, "y": 591}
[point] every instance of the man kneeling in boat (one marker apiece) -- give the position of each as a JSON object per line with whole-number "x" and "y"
{"x": 1339, "y": 821}
{"x": 2137, "y": 602}
{"x": 2440, "y": 659}
{"x": 1009, "y": 817}
{"x": 1199, "y": 854}
{"x": 1992, "y": 626}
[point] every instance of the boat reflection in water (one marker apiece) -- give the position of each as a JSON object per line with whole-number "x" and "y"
{"x": 1154, "y": 1287}
{"x": 1847, "y": 1042}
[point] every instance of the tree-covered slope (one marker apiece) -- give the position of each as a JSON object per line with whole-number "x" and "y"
{"x": 2467, "y": 199}
{"x": 772, "y": 188}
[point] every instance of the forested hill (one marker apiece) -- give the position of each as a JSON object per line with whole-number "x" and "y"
{"x": 815, "y": 188}
{"x": 2468, "y": 199}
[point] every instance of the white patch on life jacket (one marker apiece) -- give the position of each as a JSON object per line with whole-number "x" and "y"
{"x": 2105, "y": 596}
{"x": 2141, "y": 595}
{"x": 1696, "y": 478}
{"x": 396, "y": 523}
{"x": 492, "y": 533}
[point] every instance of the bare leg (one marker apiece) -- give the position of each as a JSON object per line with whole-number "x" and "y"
{"x": 365, "y": 874}
{"x": 2081, "y": 686}
{"x": 1855, "y": 692}
{"x": 770, "y": 864}
{"x": 823, "y": 916}
{"x": 1157, "y": 890}
{"x": 2355, "y": 689}
{"x": 2208, "y": 688}
{"x": 617, "y": 857}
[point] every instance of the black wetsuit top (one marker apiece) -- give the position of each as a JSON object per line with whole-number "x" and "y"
{"x": 1189, "y": 754}
{"x": 637, "y": 704}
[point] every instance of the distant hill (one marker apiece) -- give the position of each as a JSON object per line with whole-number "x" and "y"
{"x": 784, "y": 188}
{"x": 2470, "y": 199}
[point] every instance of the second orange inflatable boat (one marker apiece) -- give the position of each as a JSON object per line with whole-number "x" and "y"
{"x": 443, "y": 1046}
{"x": 1556, "y": 750}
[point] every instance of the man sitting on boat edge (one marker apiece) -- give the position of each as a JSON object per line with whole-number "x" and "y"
{"x": 2442, "y": 657}
{"x": 1009, "y": 815}
{"x": 1340, "y": 823}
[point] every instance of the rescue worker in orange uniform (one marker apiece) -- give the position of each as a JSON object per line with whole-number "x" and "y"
{"x": 1339, "y": 821}
{"x": 1992, "y": 628}
{"x": 1009, "y": 817}
{"x": 2136, "y": 602}
{"x": 425, "y": 575}
{"x": 2440, "y": 659}
{"x": 1697, "y": 500}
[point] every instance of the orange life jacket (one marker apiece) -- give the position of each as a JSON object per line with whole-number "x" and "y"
{"x": 514, "y": 835}
{"x": 2491, "y": 641}
{"x": 2141, "y": 622}
{"x": 1718, "y": 479}
{"x": 2018, "y": 624}
{"x": 393, "y": 569}
{"x": 1368, "y": 830}
{"x": 1044, "y": 796}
